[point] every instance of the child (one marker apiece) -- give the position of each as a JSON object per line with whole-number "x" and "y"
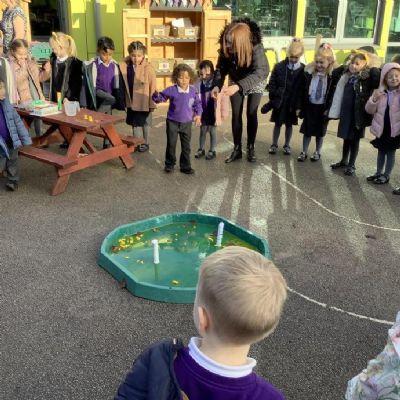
{"x": 64, "y": 70}
{"x": 284, "y": 87}
{"x": 315, "y": 104}
{"x": 384, "y": 105}
{"x": 140, "y": 84}
{"x": 184, "y": 103}
{"x": 204, "y": 87}
{"x": 101, "y": 80}
{"x": 239, "y": 301}
{"x": 356, "y": 84}
{"x": 26, "y": 77}
{"x": 13, "y": 135}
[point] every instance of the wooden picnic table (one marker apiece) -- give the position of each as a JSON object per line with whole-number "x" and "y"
{"x": 78, "y": 131}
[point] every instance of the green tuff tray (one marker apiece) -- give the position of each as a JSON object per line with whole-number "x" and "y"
{"x": 184, "y": 240}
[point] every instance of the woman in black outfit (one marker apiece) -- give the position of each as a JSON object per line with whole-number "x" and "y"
{"x": 242, "y": 58}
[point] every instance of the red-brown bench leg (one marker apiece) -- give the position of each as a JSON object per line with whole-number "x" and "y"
{"x": 115, "y": 140}
{"x": 60, "y": 185}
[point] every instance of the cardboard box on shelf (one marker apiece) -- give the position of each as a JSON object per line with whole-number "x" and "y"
{"x": 160, "y": 30}
{"x": 193, "y": 63}
{"x": 165, "y": 64}
{"x": 183, "y": 28}
{"x": 192, "y": 33}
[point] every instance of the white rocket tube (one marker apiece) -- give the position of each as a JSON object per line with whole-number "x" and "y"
{"x": 156, "y": 252}
{"x": 220, "y": 233}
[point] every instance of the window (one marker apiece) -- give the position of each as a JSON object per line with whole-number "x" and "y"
{"x": 321, "y": 17}
{"x": 360, "y": 18}
{"x": 273, "y": 16}
{"x": 394, "y": 32}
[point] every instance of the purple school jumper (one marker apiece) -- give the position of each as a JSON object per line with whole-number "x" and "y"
{"x": 105, "y": 76}
{"x": 200, "y": 384}
{"x": 182, "y": 106}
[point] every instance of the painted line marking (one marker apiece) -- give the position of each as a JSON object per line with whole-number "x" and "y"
{"x": 324, "y": 305}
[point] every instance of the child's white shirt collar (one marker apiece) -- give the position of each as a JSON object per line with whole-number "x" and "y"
{"x": 62, "y": 59}
{"x": 217, "y": 368}
{"x": 180, "y": 90}
{"x": 102, "y": 62}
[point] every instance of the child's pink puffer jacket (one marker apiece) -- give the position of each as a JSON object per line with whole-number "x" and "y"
{"x": 378, "y": 108}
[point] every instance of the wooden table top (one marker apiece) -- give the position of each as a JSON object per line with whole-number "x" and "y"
{"x": 78, "y": 121}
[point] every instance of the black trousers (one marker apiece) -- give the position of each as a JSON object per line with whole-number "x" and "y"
{"x": 184, "y": 131}
{"x": 237, "y": 101}
{"x": 105, "y": 101}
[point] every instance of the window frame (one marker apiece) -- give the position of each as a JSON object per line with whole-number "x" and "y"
{"x": 340, "y": 41}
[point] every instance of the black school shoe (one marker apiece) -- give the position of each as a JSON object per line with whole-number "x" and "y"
{"x": 211, "y": 155}
{"x": 339, "y": 164}
{"x": 396, "y": 191}
{"x": 350, "y": 171}
{"x": 187, "y": 171}
{"x": 200, "y": 153}
{"x": 12, "y": 186}
{"x": 143, "y": 147}
{"x": 168, "y": 168}
{"x": 371, "y": 178}
{"x": 381, "y": 180}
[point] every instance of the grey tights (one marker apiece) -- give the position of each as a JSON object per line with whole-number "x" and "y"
{"x": 389, "y": 158}
{"x": 307, "y": 141}
{"x": 277, "y": 132}
{"x": 145, "y": 130}
{"x": 203, "y": 135}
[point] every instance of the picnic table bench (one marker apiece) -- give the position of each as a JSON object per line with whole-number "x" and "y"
{"x": 77, "y": 131}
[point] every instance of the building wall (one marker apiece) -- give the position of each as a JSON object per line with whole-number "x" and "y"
{"x": 83, "y": 28}
{"x": 82, "y": 22}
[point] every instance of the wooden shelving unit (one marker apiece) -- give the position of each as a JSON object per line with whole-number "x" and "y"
{"x": 137, "y": 23}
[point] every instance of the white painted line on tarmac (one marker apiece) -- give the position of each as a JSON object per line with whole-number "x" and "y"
{"x": 318, "y": 203}
{"x": 379, "y": 321}
{"x": 324, "y": 305}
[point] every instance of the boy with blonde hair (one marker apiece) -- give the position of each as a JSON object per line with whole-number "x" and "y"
{"x": 239, "y": 301}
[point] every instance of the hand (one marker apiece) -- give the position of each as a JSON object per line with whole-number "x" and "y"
{"x": 214, "y": 92}
{"x": 231, "y": 90}
{"x": 197, "y": 120}
{"x": 46, "y": 66}
{"x": 377, "y": 94}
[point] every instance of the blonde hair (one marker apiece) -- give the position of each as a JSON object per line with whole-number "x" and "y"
{"x": 240, "y": 38}
{"x": 64, "y": 40}
{"x": 243, "y": 292}
{"x": 295, "y": 48}
{"x": 359, "y": 54}
{"x": 325, "y": 50}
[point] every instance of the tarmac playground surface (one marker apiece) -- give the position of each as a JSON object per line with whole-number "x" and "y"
{"x": 68, "y": 331}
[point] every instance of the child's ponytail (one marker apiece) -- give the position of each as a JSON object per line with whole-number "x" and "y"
{"x": 66, "y": 41}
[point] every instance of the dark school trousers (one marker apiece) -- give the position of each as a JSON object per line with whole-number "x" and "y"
{"x": 184, "y": 131}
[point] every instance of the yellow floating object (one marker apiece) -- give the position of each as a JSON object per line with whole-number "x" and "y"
{"x": 175, "y": 282}
{"x": 126, "y": 257}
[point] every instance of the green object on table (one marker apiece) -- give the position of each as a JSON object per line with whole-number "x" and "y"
{"x": 184, "y": 239}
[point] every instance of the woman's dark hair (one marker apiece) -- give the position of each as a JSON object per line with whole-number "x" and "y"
{"x": 205, "y": 64}
{"x": 2, "y": 82}
{"x": 182, "y": 68}
{"x": 17, "y": 44}
{"x": 105, "y": 43}
{"x": 136, "y": 46}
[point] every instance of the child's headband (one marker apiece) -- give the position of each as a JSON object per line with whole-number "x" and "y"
{"x": 326, "y": 46}
{"x": 57, "y": 40}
